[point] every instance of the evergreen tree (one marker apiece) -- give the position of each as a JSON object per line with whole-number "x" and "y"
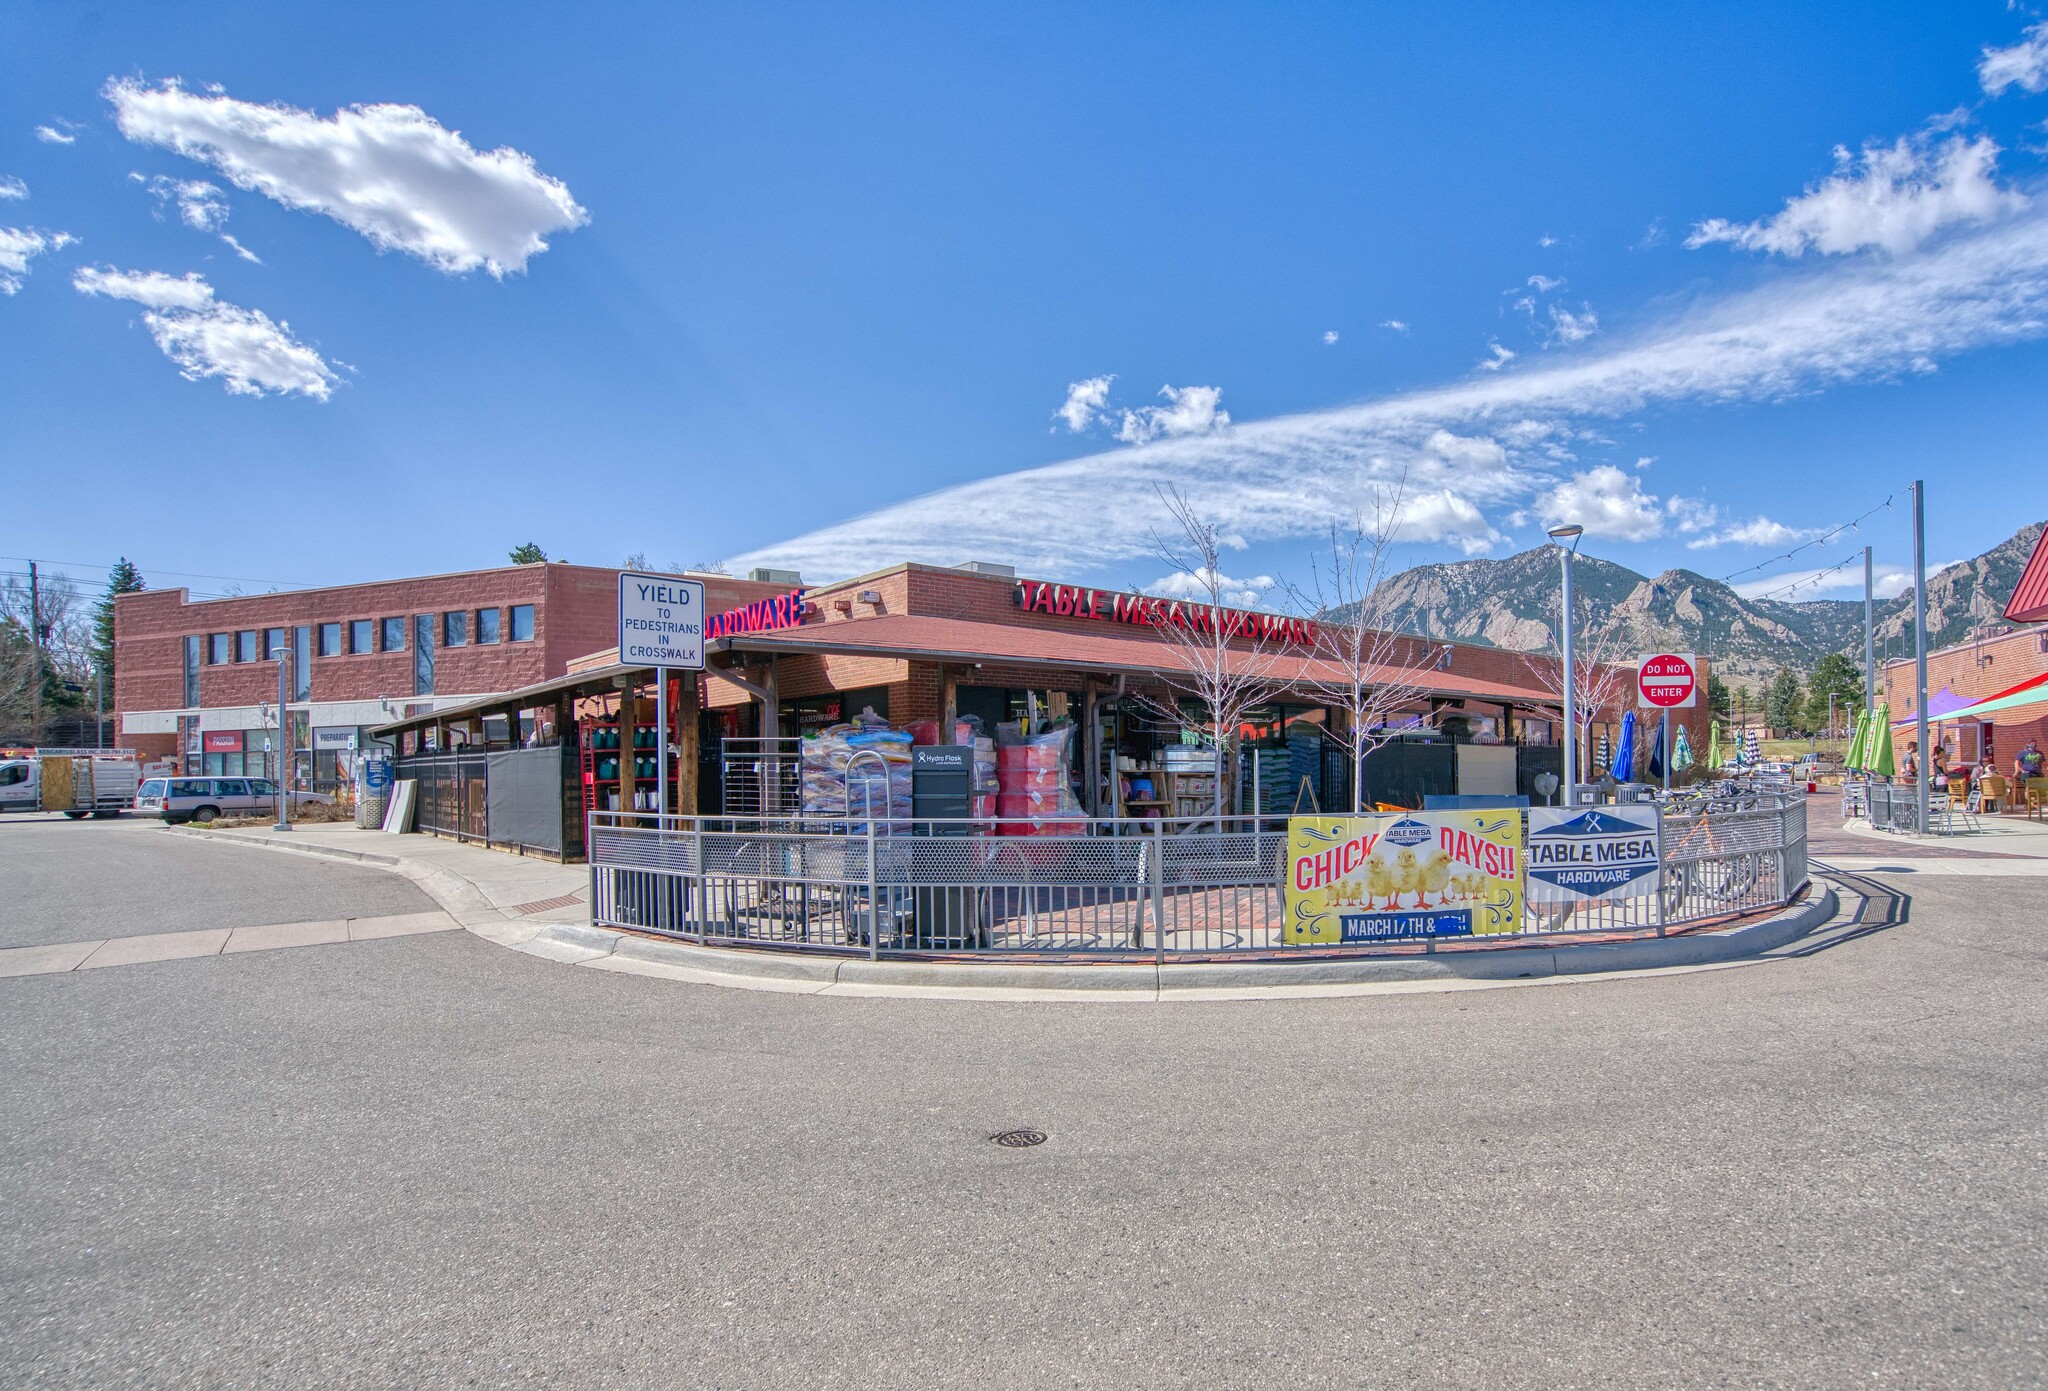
{"x": 1719, "y": 702}
{"x": 528, "y": 554}
{"x": 1835, "y": 675}
{"x": 1782, "y": 701}
{"x": 124, "y": 578}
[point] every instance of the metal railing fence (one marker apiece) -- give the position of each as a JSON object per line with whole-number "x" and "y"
{"x": 1120, "y": 889}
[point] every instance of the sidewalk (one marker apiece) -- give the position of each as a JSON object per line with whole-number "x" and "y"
{"x": 505, "y": 898}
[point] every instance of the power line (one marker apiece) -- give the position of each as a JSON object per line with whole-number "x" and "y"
{"x": 1812, "y": 578}
{"x": 178, "y": 574}
{"x": 1820, "y": 540}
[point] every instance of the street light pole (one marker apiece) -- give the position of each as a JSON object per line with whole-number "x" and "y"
{"x": 1559, "y": 535}
{"x": 1920, "y": 649}
{"x": 283, "y": 822}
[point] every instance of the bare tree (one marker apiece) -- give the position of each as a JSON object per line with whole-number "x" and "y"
{"x": 1597, "y": 669}
{"x": 1362, "y": 665}
{"x": 59, "y": 677}
{"x": 1225, "y": 659}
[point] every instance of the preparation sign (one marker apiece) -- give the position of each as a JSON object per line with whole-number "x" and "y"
{"x": 1597, "y": 853}
{"x": 661, "y": 621}
{"x": 1400, "y": 875}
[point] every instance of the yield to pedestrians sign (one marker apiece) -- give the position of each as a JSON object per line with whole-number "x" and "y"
{"x": 661, "y": 621}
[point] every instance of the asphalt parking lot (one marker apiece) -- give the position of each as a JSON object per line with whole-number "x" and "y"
{"x": 430, "y": 1161}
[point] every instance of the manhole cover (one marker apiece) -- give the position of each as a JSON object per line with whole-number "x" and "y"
{"x": 1019, "y": 1139}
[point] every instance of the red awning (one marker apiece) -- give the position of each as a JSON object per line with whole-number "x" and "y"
{"x": 2029, "y": 602}
{"x": 920, "y": 638}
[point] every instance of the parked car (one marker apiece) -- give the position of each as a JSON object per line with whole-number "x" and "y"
{"x": 202, "y": 799}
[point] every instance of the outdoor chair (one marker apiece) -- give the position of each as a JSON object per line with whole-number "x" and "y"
{"x": 2037, "y": 798}
{"x": 1940, "y": 814}
{"x": 1989, "y": 795}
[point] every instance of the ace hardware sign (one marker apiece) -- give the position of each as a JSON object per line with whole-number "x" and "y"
{"x": 1668, "y": 680}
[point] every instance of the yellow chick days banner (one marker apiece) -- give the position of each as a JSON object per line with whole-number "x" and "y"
{"x": 1418, "y": 874}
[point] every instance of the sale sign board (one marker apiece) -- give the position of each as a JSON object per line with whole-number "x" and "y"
{"x": 1668, "y": 680}
{"x": 1402, "y": 876}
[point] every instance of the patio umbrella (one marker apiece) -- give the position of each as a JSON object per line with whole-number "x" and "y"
{"x": 1853, "y": 760}
{"x": 1681, "y": 752}
{"x": 1657, "y": 752}
{"x": 1600, "y": 755}
{"x": 1878, "y": 758}
{"x": 1714, "y": 746}
{"x": 1752, "y": 747}
{"x": 1625, "y": 747}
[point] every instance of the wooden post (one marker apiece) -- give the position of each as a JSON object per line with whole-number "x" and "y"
{"x": 687, "y": 736}
{"x": 949, "y": 701}
{"x": 629, "y": 719}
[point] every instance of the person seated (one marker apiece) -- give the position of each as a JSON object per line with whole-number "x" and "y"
{"x": 2026, "y": 764}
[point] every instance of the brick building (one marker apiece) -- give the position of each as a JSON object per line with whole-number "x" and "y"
{"x": 1980, "y": 670}
{"x": 197, "y": 681}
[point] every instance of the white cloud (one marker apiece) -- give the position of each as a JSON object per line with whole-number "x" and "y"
{"x": 1395, "y": 324}
{"x": 1329, "y": 335}
{"x": 1688, "y": 514}
{"x": 1606, "y": 502}
{"x": 1546, "y": 240}
{"x": 11, "y": 187}
{"x": 1802, "y": 331}
{"x": 1189, "y": 410}
{"x": 1645, "y": 461}
{"x": 1195, "y": 584}
{"x": 1797, "y": 586}
{"x": 200, "y": 204}
{"x": 390, "y": 172}
{"x": 2024, "y": 65}
{"x": 1084, "y": 403}
{"x": 19, "y": 246}
{"x": 1544, "y": 284}
{"x": 1889, "y": 196}
{"x": 1757, "y": 531}
{"x": 1501, "y": 357}
{"x": 1567, "y": 327}
{"x": 208, "y": 337}
{"x": 53, "y": 135}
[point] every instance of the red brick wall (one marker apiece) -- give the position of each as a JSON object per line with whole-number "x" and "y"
{"x": 1979, "y": 670}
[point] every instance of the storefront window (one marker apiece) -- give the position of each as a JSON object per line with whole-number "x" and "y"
{"x": 522, "y": 623}
{"x": 455, "y": 629}
{"x": 394, "y": 635}
{"x": 423, "y": 654}
{"x": 245, "y": 646}
{"x": 360, "y": 636}
{"x": 486, "y": 625}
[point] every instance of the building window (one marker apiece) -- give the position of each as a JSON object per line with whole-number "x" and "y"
{"x": 192, "y": 672}
{"x": 217, "y": 649}
{"x": 302, "y": 664}
{"x": 330, "y": 639}
{"x": 245, "y": 646}
{"x": 361, "y": 636}
{"x": 394, "y": 635}
{"x": 522, "y": 623}
{"x": 486, "y": 625}
{"x": 455, "y": 629}
{"x": 423, "y": 654}
{"x": 273, "y": 644}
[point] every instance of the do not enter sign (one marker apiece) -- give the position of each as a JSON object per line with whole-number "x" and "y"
{"x": 1667, "y": 680}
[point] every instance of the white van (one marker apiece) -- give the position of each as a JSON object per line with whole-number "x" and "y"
{"x": 178, "y": 800}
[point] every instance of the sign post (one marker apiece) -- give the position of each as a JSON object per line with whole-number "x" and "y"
{"x": 1668, "y": 681}
{"x": 661, "y": 625}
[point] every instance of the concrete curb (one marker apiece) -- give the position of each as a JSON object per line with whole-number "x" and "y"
{"x": 742, "y": 969}
{"x": 459, "y": 898}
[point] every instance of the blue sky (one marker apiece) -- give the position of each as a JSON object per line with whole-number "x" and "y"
{"x": 813, "y": 285}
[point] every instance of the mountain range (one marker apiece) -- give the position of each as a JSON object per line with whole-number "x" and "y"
{"x": 1512, "y": 603}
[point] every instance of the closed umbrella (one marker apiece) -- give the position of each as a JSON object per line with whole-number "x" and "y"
{"x": 1878, "y": 758}
{"x": 1681, "y": 752}
{"x": 1625, "y": 748}
{"x": 1600, "y": 757}
{"x": 1657, "y": 752}
{"x": 1713, "y": 746}
{"x": 1858, "y": 741}
{"x": 1752, "y": 747}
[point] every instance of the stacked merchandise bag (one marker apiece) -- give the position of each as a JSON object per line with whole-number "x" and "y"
{"x": 1035, "y": 789}
{"x": 882, "y": 795}
{"x": 987, "y": 783}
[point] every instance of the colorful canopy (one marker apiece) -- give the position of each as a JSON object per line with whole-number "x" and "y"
{"x": 2033, "y": 691}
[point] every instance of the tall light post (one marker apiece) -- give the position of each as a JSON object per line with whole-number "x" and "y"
{"x": 283, "y": 821}
{"x": 1558, "y": 536}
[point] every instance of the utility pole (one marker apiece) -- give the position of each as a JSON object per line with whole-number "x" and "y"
{"x": 35, "y": 637}
{"x": 1920, "y": 649}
